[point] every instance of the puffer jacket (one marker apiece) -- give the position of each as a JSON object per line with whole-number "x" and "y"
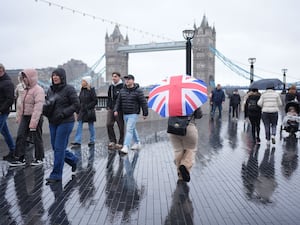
{"x": 131, "y": 100}
{"x": 32, "y": 99}
{"x": 270, "y": 101}
{"x": 88, "y": 101}
{"x": 63, "y": 101}
{"x": 6, "y": 94}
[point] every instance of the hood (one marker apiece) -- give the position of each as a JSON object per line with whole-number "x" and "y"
{"x": 62, "y": 74}
{"x": 32, "y": 76}
{"x": 120, "y": 82}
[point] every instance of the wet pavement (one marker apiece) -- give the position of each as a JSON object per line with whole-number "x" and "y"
{"x": 232, "y": 182}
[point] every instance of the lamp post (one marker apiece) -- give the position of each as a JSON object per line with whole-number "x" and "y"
{"x": 188, "y": 36}
{"x": 284, "y": 80}
{"x": 251, "y": 61}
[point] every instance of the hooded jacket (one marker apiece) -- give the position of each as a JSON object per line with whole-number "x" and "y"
{"x": 113, "y": 92}
{"x": 131, "y": 100}
{"x": 6, "y": 94}
{"x": 62, "y": 99}
{"x": 32, "y": 99}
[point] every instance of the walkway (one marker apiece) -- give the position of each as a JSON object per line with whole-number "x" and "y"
{"x": 232, "y": 182}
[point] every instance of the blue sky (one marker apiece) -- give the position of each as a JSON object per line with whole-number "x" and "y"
{"x": 36, "y": 35}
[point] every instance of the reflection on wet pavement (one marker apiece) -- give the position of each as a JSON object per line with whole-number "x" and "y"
{"x": 234, "y": 181}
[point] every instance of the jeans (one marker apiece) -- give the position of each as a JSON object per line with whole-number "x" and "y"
{"x": 59, "y": 140}
{"x": 78, "y": 135}
{"x": 214, "y": 109}
{"x": 131, "y": 132}
{"x": 6, "y": 134}
{"x": 270, "y": 123}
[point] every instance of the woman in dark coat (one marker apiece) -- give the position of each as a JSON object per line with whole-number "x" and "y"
{"x": 88, "y": 101}
{"x": 61, "y": 104}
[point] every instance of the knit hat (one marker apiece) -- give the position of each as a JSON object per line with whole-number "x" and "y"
{"x": 88, "y": 79}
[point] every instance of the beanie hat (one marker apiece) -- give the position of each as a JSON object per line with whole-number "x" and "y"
{"x": 88, "y": 79}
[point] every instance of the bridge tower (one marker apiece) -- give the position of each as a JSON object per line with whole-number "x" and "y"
{"x": 203, "y": 58}
{"x": 115, "y": 61}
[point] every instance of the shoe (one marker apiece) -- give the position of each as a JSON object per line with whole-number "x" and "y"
{"x": 124, "y": 150}
{"x": 37, "y": 162}
{"x": 136, "y": 146}
{"x": 268, "y": 142}
{"x": 111, "y": 145}
{"x": 118, "y": 146}
{"x": 9, "y": 157}
{"x": 273, "y": 140}
{"x": 75, "y": 144}
{"x": 91, "y": 143}
{"x": 17, "y": 163}
{"x": 74, "y": 167}
{"x": 184, "y": 173}
{"x": 52, "y": 180}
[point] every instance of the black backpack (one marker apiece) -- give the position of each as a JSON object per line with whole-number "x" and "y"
{"x": 252, "y": 105}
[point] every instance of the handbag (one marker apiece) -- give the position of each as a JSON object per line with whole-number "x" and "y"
{"x": 91, "y": 115}
{"x": 177, "y": 125}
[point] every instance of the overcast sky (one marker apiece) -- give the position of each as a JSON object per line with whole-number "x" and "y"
{"x": 36, "y": 35}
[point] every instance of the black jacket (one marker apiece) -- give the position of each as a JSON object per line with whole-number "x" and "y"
{"x": 88, "y": 101}
{"x": 131, "y": 100}
{"x": 113, "y": 92}
{"x": 252, "y": 96}
{"x": 7, "y": 94}
{"x": 235, "y": 99}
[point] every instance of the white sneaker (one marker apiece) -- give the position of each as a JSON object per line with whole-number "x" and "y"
{"x": 37, "y": 162}
{"x": 124, "y": 149}
{"x": 136, "y": 146}
{"x": 268, "y": 142}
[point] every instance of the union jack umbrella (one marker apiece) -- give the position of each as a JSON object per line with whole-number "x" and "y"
{"x": 178, "y": 95}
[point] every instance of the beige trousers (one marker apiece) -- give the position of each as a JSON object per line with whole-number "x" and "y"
{"x": 185, "y": 147}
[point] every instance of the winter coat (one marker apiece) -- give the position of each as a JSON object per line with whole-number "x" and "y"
{"x": 32, "y": 99}
{"x": 113, "y": 92}
{"x": 235, "y": 99}
{"x": 88, "y": 101}
{"x": 218, "y": 96}
{"x": 6, "y": 94}
{"x": 270, "y": 101}
{"x": 61, "y": 101}
{"x": 131, "y": 100}
{"x": 253, "y": 96}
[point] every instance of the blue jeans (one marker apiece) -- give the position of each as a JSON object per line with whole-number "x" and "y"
{"x": 131, "y": 132}
{"x": 6, "y": 134}
{"x": 78, "y": 135}
{"x": 59, "y": 140}
{"x": 214, "y": 110}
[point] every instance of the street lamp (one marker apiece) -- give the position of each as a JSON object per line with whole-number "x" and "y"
{"x": 284, "y": 80}
{"x": 251, "y": 61}
{"x": 188, "y": 36}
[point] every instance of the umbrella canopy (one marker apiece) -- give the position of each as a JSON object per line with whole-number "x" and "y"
{"x": 265, "y": 83}
{"x": 178, "y": 95}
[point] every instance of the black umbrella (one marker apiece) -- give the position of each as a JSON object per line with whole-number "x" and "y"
{"x": 266, "y": 83}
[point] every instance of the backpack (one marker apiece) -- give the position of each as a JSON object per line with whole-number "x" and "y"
{"x": 252, "y": 105}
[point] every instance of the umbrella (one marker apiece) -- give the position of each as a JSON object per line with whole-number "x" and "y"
{"x": 178, "y": 95}
{"x": 265, "y": 83}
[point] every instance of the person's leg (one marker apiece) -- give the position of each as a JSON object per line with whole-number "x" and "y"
{"x": 212, "y": 115}
{"x": 110, "y": 121}
{"x": 92, "y": 132}
{"x": 78, "y": 135}
{"x": 266, "y": 121}
{"x": 220, "y": 110}
{"x": 60, "y": 141}
{"x": 178, "y": 148}
{"x": 39, "y": 144}
{"x": 130, "y": 126}
{"x": 253, "y": 127}
{"x": 22, "y": 134}
{"x": 190, "y": 142}
{"x": 6, "y": 134}
{"x": 274, "y": 121}
{"x": 121, "y": 126}
{"x": 233, "y": 111}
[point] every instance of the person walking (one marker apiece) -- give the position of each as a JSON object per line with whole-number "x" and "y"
{"x": 292, "y": 94}
{"x": 218, "y": 97}
{"x": 30, "y": 120}
{"x": 6, "y": 101}
{"x": 88, "y": 101}
{"x": 235, "y": 101}
{"x": 270, "y": 101}
{"x": 254, "y": 113}
{"x": 130, "y": 101}
{"x": 185, "y": 147}
{"x": 113, "y": 93}
{"x": 61, "y": 104}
